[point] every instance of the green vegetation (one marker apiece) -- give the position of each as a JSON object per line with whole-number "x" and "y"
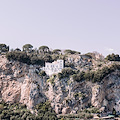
{"x": 114, "y": 112}
{"x": 79, "y": 95}
{"x": 96, "y": 76}
{"x": 27, "y": 47}
{"x": 45, "y": 112}
{"x": 79, "y": 77}
{"x": 92, "y": 110}
{"x": 42, "y": 73}
{"x": 17, "y": 49}
{"x": 113, "y": 57}
{"x": 56, "y": 51}
{"x": 18, "y": 56}
{"x": 20, "y": 112}
{"x": 71, "y": 52}
{"x": 4, "y": 48}
{"x": 44, "y": 49}
{"x": 69, "y": 65}
{"x": 66, "y": 72}
{"x": 24, "y": 58}
{"x": 52, "y": 80}
{"x": 39, "y": 56}
{"x": 31, "y": 56}
{"x": 36, "y": 60}
{"x": 81, "y": 115}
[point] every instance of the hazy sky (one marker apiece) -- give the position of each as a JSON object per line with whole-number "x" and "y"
{"x": 82, "y": 25}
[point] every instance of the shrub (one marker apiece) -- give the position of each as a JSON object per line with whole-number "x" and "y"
{"x": 96, "y": 76}
{"x": 71, "y": 52}
{"x": 66, "y": 72}
{"x": 18, "y": 112}
{"x": 47, "y": 58}
{"x": 24, "y": 58}
{"x": 92, "y": 110}
{"x": 79, "y": 77}
{"x": 69, "y": 65}
{"x": 51, "y": 80}
{"x": 18, "y": 56}
{"x": 42, "y": 73}
{"x": 37, "y": 61}
{"x": 4, "y": 48}
{"x": 113, "y": 57}
{"x": 45, "y": 111}
{"x": 1, "y": 106}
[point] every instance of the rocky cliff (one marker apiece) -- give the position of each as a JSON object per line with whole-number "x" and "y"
{"x": 20, "y": 83}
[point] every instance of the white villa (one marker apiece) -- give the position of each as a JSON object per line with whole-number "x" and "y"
{"x": 54, "y": 67}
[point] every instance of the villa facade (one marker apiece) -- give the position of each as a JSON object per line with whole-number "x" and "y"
{"x": 54, "y": 67}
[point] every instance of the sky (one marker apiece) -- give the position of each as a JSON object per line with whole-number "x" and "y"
{"x": 81, "y": 25}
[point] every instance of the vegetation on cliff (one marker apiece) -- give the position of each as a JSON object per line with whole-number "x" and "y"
{"x": 17, "y": 111}
{"x": 113, "y": 57}
{"x": 96, "y": 76}
{"x": 44, "y": 54}
{"x": 69, "y": 89}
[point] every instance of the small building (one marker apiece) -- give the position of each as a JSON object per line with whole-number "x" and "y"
{"x": 54, "y": 67}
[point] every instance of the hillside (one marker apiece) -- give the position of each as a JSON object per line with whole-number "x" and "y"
{"x": 85, "y": 82}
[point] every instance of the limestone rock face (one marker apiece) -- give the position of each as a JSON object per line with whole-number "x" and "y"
{"x": 107, "y": 94}
{"x": 66, "y": 93}
{"x": 10, "y": 93}
{"x": 66, "y": 110}
{"x": 20, "y": 83}
{"x": 97, "y": 95}
{"x": 111, "y": 87}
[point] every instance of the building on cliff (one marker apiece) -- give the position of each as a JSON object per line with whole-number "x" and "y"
{"x": 54, "y": 67}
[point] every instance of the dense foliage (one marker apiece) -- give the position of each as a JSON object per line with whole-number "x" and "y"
{"x": 113, "y": 57}
{"x": 27, "y": 47}
{"x": 71, "y": 52}
{"x": 18, "y": 56}
{"x": 20, "y": 112}
{"x": 23, "y": 57}
{"x": 33, "y": 56}
{"x": 45, "y": 111}
{"x": 66, "y": 72}
{"x": 4, "y": 48}
{"x": 44, "y": 49}
{"x": 30, "y": 58}
{"x": 96, "y": 76}
{"x": 56, "y": 51}
{"x": 80, "y": 116}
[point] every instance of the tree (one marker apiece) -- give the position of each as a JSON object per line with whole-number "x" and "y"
{"x": 113, "y": 57}
{"x": 18, "y": 56}
{"x": 79, "y": 77}
{"x": 47, "y": 58}
{"x": 114, "y": 111}
{"x": 27, "y": 47}
{"x": 56, "y": 51}
{"x": 44, "y": 49}
{"x": 37, "y": 61}
{"x": 71, "y": 52}
{"x": 4, "y": 48}
{"x": 17, "y": 50}
{"x": 66, "y": 72}
{"x": 42, "y": 73}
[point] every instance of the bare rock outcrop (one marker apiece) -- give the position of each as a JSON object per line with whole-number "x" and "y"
{"x": 19, "y": 83}
{"x": 106, "y": 94}
{"x": 97, "y": 95}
